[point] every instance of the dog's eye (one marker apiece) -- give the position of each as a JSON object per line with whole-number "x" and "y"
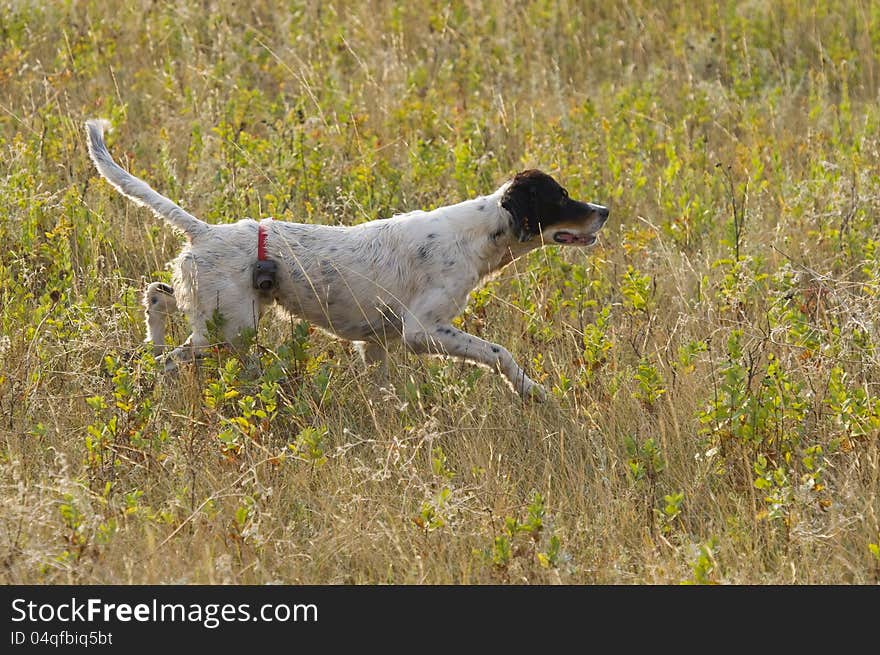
{"x": 564, "y": 193}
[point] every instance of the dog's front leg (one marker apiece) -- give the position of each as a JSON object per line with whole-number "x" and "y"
{"x": 448, "y": 340}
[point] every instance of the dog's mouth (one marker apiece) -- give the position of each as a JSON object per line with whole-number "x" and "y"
{"x": 571, "y": 239}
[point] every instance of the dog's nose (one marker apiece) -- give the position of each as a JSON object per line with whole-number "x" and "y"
{"x": 601, "y": 211}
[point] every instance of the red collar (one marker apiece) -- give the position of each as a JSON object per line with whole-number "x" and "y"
{"x": 261, "y": 240}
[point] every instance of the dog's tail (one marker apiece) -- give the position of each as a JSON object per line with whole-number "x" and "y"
{"x": 136, "y": 189}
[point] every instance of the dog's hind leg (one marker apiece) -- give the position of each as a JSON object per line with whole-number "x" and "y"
{"x": 372, "y": 353}
{"x": 159, "y": 303}
{"x": 191, "y": 350}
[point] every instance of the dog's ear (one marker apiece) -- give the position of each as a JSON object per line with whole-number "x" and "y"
{"x": 520, "y": 200}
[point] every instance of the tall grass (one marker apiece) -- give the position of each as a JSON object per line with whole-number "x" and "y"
{"x": 714, "y": 413}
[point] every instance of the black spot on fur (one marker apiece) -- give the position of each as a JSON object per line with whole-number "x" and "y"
{"x": 432, "y": 236}
{"x": 164, "y": 288}
{"x": 496, "y": 349}
{"x": 481, "y": 208}
{"x": 424, "y": 252}
{"x": 154, "y": 300}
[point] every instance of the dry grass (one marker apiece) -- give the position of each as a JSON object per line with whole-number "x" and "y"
{"x": 714, "y": 366}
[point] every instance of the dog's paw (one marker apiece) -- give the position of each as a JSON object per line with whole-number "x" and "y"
{"x": 538, "y": 394}
{"x": 534, "y": 392}
{"x": 169, "y": 364}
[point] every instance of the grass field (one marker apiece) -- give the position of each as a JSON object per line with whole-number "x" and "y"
{"x": 713, "y": 364}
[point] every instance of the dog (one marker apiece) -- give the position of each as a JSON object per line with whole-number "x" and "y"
{"x": 400, "y": 278}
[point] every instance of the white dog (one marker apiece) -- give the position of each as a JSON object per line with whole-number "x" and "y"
{"x": 404, "y": 277}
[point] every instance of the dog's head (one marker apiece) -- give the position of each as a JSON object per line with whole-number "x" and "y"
{"x": 538, "y": 205}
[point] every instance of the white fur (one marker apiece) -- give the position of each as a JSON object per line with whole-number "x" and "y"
{"x": 404, "y": 277}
